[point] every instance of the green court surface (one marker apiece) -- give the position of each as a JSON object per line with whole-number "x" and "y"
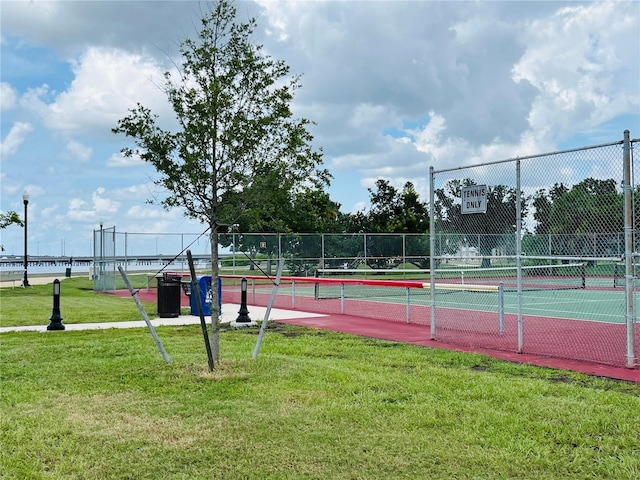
{"x": 599, "y": 302}
{"x": 581, "y": 304}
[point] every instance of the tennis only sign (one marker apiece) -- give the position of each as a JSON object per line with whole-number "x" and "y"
{"x": 474, "y": 199}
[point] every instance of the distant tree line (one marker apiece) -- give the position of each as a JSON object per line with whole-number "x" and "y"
{"x": 571, "y": 214}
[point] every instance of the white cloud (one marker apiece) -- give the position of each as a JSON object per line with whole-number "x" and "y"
{"x": 77, "y": 151}
{"x": 140, "y": 212}
{"x": 119, "y": 160}
{"x": 76, "y": 204}
{"x": 101, "y": 204}
{"x": 14, "y": 139}
{"x": 394, "y": 87}
{"x": 107, "y": 83}
{"x": 585, "y": 70}
{"x": 100, "y": 207}
{"x": 8, "y": 96}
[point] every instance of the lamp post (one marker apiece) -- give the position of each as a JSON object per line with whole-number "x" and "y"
{"x": 25, "y": 200}
{"x": 243, "y": 319}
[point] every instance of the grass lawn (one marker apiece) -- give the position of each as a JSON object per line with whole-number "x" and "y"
{"x": 103, "y": 404}
{"x": 78, "y": 304}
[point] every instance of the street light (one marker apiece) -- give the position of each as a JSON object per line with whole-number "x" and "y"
{"x": 25, "y": 200}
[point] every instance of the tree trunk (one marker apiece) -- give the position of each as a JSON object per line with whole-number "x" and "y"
{"x": 215, "y": 311}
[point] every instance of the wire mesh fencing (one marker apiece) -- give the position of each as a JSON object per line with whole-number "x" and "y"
{"x": 555, "y": 228}
{"x": 535, "y": 254}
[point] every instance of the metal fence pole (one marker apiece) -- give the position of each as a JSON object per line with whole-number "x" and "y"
{"x": 364, "y": 242}
{"x": 628, "y": 253}
{"x": 519, "y": 258}
{"x": 432, "y": 254}
{"x": 501, "y": 308}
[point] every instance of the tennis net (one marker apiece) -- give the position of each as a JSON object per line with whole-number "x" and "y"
{"x": 533, "y": 277}
{"x": 620, "y": 274}
{"x": 406, "y": 300}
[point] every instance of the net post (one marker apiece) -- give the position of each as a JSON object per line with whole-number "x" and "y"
{"x": 501, "y": 308}
{"x": 408, "y": 304}
{"x": 342, "y": 298}
{"x": 293, "y": 294}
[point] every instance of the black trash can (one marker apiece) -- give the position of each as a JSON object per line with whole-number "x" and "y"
{"x": 169, "y": 289}
{"x": 67, "y": 272}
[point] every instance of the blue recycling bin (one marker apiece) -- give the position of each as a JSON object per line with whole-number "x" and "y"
{"x": 204, "y": 284}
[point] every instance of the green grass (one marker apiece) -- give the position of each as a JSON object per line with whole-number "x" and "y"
{"x": 78, "y": 304}
{"x": 314, "y": 405}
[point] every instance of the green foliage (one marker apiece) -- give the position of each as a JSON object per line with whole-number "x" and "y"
{"x": 10, "y": 218}
{"x": 237, "y": 133}
{"x": 391, "y": 211}
{"x": 572, "y": 214}
{"x": 237, "y": 138}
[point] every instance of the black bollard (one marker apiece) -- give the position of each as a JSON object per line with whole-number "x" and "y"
{"x": 55, "y": 321}
{"x": 243, "y": 313}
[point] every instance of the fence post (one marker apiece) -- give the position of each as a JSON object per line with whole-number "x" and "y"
{"x": 432, "y": 255}
{"x": 364, "y": 242}
{"x": 628, "y": 252}
{"x": 519, "y": 259}
{"x": 501, "y": 308}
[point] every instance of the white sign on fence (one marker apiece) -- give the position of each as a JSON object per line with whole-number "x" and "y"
{"x": 474, "y": 199}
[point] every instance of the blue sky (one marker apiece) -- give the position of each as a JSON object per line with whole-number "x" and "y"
{"x": 395, "y": 87}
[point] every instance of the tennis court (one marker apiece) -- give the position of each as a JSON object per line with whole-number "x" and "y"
{"x": 577, "y": 318}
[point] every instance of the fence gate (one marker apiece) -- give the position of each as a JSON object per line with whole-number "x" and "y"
{"x": 104, "y": 261}
{"x": 537, "y": 254}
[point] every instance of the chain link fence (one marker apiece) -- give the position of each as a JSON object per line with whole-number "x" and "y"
{"x": 555, "y": 231}
{"x": 103, "y": 271}
{"x": 532, "y": 255}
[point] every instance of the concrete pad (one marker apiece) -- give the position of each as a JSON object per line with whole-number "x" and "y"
{"x": 229, "y": 314}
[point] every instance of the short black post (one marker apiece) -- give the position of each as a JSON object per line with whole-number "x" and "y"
{"x": 55, "y": 321}
{"x": 243, "y": 313}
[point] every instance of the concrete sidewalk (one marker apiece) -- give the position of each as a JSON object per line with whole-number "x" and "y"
{"x": 229, "y": 314}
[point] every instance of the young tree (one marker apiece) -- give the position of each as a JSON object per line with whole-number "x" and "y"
{"x": 232, "y": 102}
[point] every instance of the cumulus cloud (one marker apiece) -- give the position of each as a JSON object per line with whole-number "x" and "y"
{"x": 14, "y": 138}
{"x": 8, "y": 96}
{"x": 76, "y": 151}
{"x": 500, "y": 79}
{"x": 585, "y": 70}
{"x": 102, "y": 204}
{"x": 119, "y": 160}
{"x": 107, "y": 83}
{"x": 394, "y": 87}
